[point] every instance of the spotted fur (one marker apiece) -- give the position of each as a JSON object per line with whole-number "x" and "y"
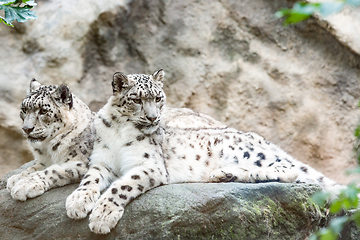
{"x": 141, "y": 145}
{"x": 60, "y": 132}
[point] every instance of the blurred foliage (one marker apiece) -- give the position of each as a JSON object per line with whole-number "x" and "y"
{"x": 303, "y": 10}
{"x": 19, "y": 10}
{"x": 347, "y": 199}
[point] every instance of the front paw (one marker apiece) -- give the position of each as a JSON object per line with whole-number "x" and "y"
{"x": 105, "y": 216}
{"x": 25, "y": 188}
{"x": 12, "y": 181}
{"x": 81, "y": 202}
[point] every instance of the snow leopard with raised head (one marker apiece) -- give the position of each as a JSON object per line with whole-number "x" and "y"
{"x": 135, "y": 151}
{"x": 60, "y": 131}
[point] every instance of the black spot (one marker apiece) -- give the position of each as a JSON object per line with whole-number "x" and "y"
{"x": 236, "y": 160}
{"x": 106, "y": 123}
{"x": 146, "y": 155}
{"x": 207, "y": 163}
{"x": 141, "y": 188}
{"x": 209, "y": 151}
{"x": 198, "y": 157}
{"x": 231, "y": 147}
{"x": 261, "y": 156}
{"x": 114, "y": 191}
{"x": 320, "y": 179}
{"x": 304, "y": 169}
{"x": 96, "y": 180}
{"x": 217, "y": 141}
{"x": 87, "y": 183}
{"x": 146, "y": 172}
{"x": 271, "y": 164}
{"x": 152, "y": 182}
{"x": 246, "y": 155}
{"x": 96, "y": 168}
{"x": 84, "y": 151}
{"x": 126, "y": 187}
{"x": 46, "y": 172}
{"x": 258, "y": 163}
{"x": 122, "y": 196}
{"x": 140, "y": 138}
{"x": 86, "y": 176}
{"x": 79, "y": 164}
{"x": 128, "y": 144}
{"x": 221, "y": 153}
{"x": 73, "y": 153}
{"x": 111, "y": 199}
{"x": 56, "y": 146}
{"x": 192, "y": 145}
{"x": 135, "y": 177}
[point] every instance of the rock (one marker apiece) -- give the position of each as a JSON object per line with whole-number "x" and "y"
{"x": 180, "y": 211}
{"x": 297, "y": 86}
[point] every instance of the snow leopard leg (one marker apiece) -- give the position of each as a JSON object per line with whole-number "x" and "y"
{"x": 110, "y": 207}
{"x": 283, "y": 174}
{"x": 255, "y": 175}
{"x": 38, "y": 182}
{"x": 83, "y": 199}
{"x": 230, "y": 174}
{"x": 15, "y": 178}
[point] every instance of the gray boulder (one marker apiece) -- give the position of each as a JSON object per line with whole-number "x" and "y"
{"x": 180, "y": 211}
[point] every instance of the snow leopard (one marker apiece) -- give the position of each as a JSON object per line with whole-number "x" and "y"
{"x": 136, "y": 150}
{"x": 60, "y": 132}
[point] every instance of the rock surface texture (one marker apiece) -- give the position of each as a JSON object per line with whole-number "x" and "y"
{"x": 180, "y": 211}
{"x": 297, "y": 86}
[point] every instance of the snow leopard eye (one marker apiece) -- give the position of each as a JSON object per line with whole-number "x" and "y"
{"x": 137, "y": 100}
{"x": 158, "y": 99}
{"x": 43, "y": 111}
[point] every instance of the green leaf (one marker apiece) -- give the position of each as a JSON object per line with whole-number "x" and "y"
{"x": 5, "y": 22}
{"x": 6, "y": 2}
{"x": 295, "y": 18}
{"x": 327, "y": 234}
{"x": 328, "y": 8}
{"x": 356, "y": 218}
{"x": 337, "y": 224}
{"x": 335, "y": 207}
{"x": 320, "y": 198}
{"x": 29, "y": 3}
{"x": 357, "y": 131}
{"x": 19, "y": 14}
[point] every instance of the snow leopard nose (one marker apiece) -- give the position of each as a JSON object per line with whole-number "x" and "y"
{"x": 151, "y": 119}
{"x": 27, "y": 129}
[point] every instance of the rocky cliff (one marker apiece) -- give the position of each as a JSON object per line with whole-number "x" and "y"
{"x": 297, "y": 86}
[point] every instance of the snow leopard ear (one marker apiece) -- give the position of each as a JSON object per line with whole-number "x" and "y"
{"x": 120, "y": 80}
{"x": 34, "y": 85}
{"x": 62, "y": 95}
{"x": 159, "y": 75}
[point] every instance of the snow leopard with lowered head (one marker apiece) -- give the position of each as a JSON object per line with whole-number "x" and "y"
{"x": 60, "y": 131}
{"x": 135, "y": 151}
